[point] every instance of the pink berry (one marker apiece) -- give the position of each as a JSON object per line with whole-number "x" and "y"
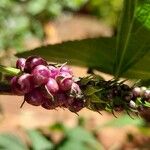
{"x": 66, "y": 84}
{"x": 53, "y": 71}
{"x": 75, "y": 88}
{"x": 20, "y": 64}
{"x": 40, "y": 74}
{"x": 52, "y": 86}
{"x": 35, "y": 97}
{"x": 67, "y": 69}
{"x": 32, "y": 62}
{"x": 22, "y": 84}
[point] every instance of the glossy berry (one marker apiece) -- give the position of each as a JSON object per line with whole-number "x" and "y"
{"x": 35, "y": 97}
{"x": 22, "y": 84}
{"x": 52, "y": 86}
{"x": 32, "y": 62}
{"x": 48, "y": 104}
{"x": 40, "y": 74}
{"x": 20, "y": 64}
{"x": 67, "y": 69}
{"x": 66, "y": 84}
{"x": 63, "y": 76}
{"x": 53, "y": 71}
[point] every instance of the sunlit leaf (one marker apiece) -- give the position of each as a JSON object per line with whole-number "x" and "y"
{"x": 11, "y": 142}
{"x": 39, "y": 142}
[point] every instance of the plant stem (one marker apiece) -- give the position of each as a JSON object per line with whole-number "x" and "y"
{"x": 9, "y": 70}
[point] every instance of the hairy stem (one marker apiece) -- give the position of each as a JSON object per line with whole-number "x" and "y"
{"x": 9, "y": 70}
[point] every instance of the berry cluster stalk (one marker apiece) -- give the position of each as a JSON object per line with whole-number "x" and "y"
{"x": 54, "y": 85}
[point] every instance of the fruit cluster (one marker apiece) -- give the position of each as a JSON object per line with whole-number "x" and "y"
{"x": 47, "y": 85}
{"x": 113, "y": 95}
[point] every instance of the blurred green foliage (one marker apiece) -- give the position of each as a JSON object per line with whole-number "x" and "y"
{"x": 108, "y": 10}
{"x": 21, "y": 20}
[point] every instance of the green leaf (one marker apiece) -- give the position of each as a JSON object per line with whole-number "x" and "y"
{"x": 82, "y": 138}
{"x": 133, "y": 58}
{"x": 124, "y": 33}
{"x": 122, "y": 121}
{"x": 39, "y": 142}
{"x": 91, "y": 90}
{"x": 11, "y": 142}
{"x": 95, "y": 53}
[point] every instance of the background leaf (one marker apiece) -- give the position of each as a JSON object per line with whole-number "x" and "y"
{"x": 122, "y": 121}
{"x": 124, "y": 33}
{"x": 96, "y": 53}
{"x": 80, "y": 139}
{"x": 11, "y": 142}
{"x": 39, "y": 142}
{"x": 132, "y": 59}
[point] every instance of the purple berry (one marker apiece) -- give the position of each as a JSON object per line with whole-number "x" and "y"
{"x": 35, "y": 97}
{"x": 34, "y": 61}
{"x": 15, "y": 87}
{"x": 20, "y": 64}
{"x": 136, "y": 91}
{"x": 75, "y": 88}
{"x": 48, "y": 104}
{"x": 63, "y": 76}
{"x": 22, "y": 84}
{"x": 67, "y": 69}
{"x": 52, "y": 86}
{"x": 53, "y": 71}
{"x": 76, "y": 106}
{"x": 61, "y": 99}
{"x": 66, "y": 84}
{"x": 40, "y": 74}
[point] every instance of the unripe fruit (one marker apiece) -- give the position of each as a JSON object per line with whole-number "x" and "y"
{"x": 132, "y": 104}
{"x": 40, "y": 74}
{"x": 32, "y": 62}
{"x": 22, "y": 84}
{"x": 20, "y": 64}
{"x": 35, "y": 97}
{"x": 136, "y": 91}
{"x": 143, "y": 89}
{"x": 146, "y": 94}
{"x": 75, "y": 89}
{"x": 52, "y": 86}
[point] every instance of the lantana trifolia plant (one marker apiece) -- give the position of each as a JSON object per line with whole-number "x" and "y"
{"x": 125, "y": 56}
